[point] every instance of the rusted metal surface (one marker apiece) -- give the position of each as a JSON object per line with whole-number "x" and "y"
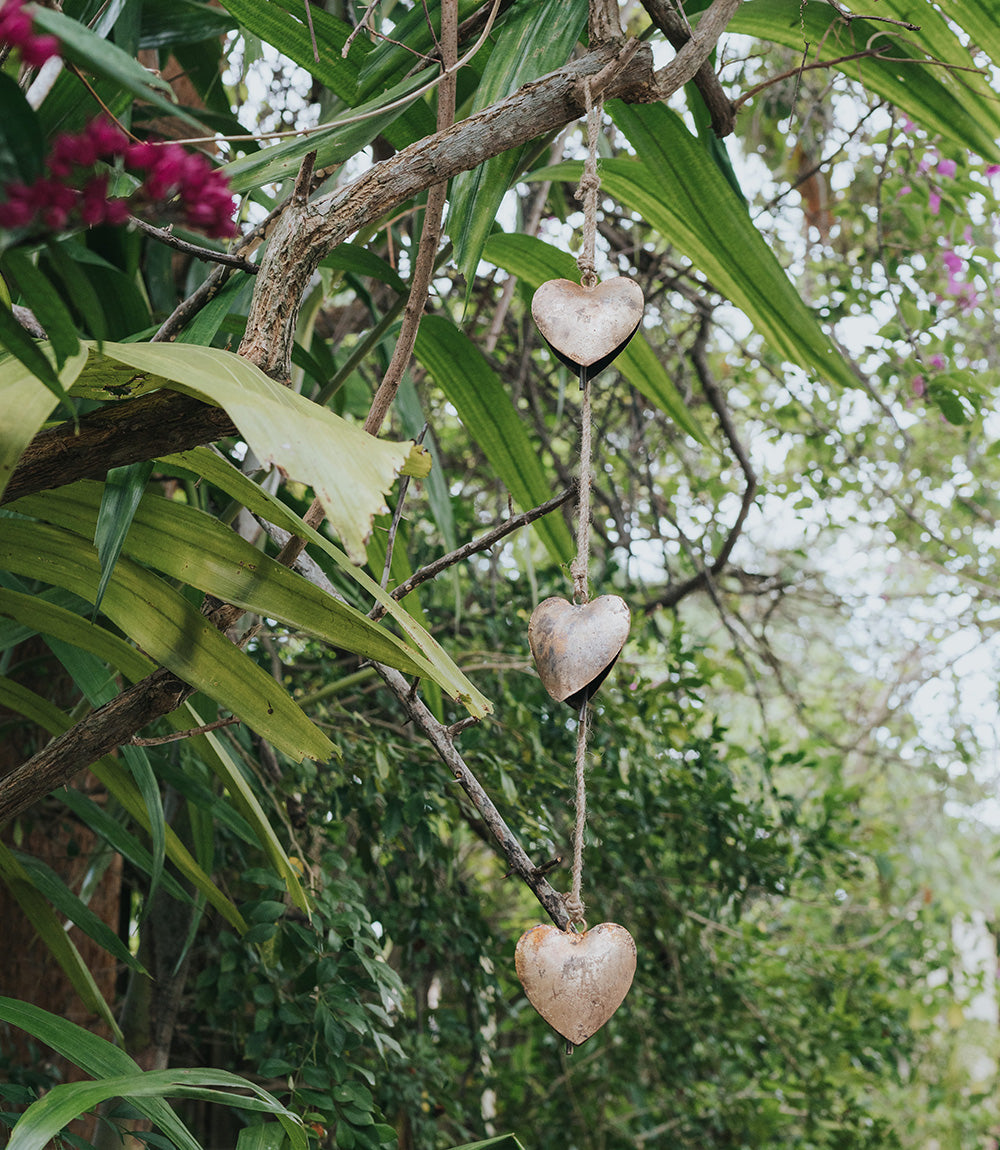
{"x": 576, "y": 981}
{"x": 587, "y": 327}
{"x": 575, "y": 645}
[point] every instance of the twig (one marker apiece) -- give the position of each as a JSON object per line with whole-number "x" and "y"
{"x": 867, "y": 53}
{"x": 178, "y": 735}
{"x": 851, "y": 16}
{"x": 397, "y": 515}
{"x": 713, "y": 393}
{"x": 483, "y": 543}
{"x": 166, "y": 236}
{"x": 430, "y": 234}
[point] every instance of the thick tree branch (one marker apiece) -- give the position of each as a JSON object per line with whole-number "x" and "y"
{"x": 303, "y": 237}
{"x": 90, "y": 739}
{"x": 673, "y": 24}
{"x": 156, "y": 424}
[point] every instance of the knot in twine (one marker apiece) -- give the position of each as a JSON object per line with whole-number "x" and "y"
{"x": 574, "y": 908}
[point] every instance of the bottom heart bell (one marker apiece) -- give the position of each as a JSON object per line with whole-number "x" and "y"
{"x": 576, "y": 981}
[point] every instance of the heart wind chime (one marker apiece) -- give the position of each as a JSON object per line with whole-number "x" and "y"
{"x": 577, "y": 978}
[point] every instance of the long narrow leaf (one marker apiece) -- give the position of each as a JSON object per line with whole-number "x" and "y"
{"x": 82, "y": 46}
{"x": 462, "y": 372}
{"x": 46, "y": 304}
{"x": 50, "y": 930}
{"x": 96, "y": 1056}
{"x": 188, "y": 544}
{"x": 56, "y": 1109}
{"x": 229, "y": 479}
{"x": 173, "y": 632}
{"x": 24, "y": 381}
{"x": 123, "y": 489}
{"x": 115, "y": 778}
{"x": 51, "y": 886}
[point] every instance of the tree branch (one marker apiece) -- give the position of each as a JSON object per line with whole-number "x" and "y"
{"x": 713, "y": 393}
{"x": 677, "y": 30}
{"x": 160, "y": 423}
{"x": 483, "y": 543}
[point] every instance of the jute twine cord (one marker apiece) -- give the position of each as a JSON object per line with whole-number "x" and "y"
{"x": 574, "y": 903}
{"x": 587, "y": 192}
{"x": 587, "y": 189}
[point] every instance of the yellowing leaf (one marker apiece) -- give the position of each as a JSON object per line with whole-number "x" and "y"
{"x": 349, "y": 470}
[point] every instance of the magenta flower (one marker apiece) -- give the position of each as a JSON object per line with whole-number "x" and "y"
{"x": 72, "y": 191}
{"x": 947, "y": 168}
{"x": 934, "y": 202}
{"x": 918, "y": 386}
{"x": 992, "y": 169}
{"x": 18, "y": 30}
{"x": 938, "y": 361}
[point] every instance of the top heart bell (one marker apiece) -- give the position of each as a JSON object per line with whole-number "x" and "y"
{"x": 575, "y": 645}
{"x": 587, "y": 327}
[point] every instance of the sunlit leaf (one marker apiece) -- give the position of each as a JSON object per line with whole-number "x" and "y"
{"x": 348, "y": 469}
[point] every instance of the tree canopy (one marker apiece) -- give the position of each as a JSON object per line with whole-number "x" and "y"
{"x": 286, "y": 465}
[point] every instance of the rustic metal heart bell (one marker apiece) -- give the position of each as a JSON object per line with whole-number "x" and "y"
{"x": 588, "y": 326}
{"x": 576, "y": 981}
{"x": 575, "y": 645}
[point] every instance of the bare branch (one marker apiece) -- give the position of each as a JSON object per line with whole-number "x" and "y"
{"x": 713, "y": 393}
{"x": 166, "y": 236}
{"x": 483, "y": 543}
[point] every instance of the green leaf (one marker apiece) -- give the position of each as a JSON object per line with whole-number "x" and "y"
{"x": 268, "y": 1136}
{"x": 95, "y": 816}
{"x": 343, "y": 136}
{"x": 286, "y": 27}
{"x": 45, "y": 303}
{"x": 182, "y": 22}
{"x": 21, "y": 138}
{"x": 461, "y": 371}
{"x": 212, "y": 751}
{"x": 67, "y": 1100}
{"x": 960, "y": 107}
{"x": 51, "y": 886}
{"x": 121, "y": 494}
{"x": 116, "y": 779}
{"x": 26, "y": 399}
{"x": 81, "y": 46}
{"x": 166, "y": 626}
{"x": 536, "y": 37}
{"x": 535, "y": 261}
{"x": 220, "y": 472}
{"x": 94, "y": 1055}
{"x": 48, "y": 618}
{"x": 348, "y": 469}
{"x": 77, "y": 288}
{"x": 28, "y": 356}
{"x": 50, "y": 930}
{"x": 362, "y": 262}
{"x": 189, "y": 544}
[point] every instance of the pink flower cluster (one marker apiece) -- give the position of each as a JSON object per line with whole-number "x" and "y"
{"x": 17, "y": 31}
{"x": 71, "y": 191}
